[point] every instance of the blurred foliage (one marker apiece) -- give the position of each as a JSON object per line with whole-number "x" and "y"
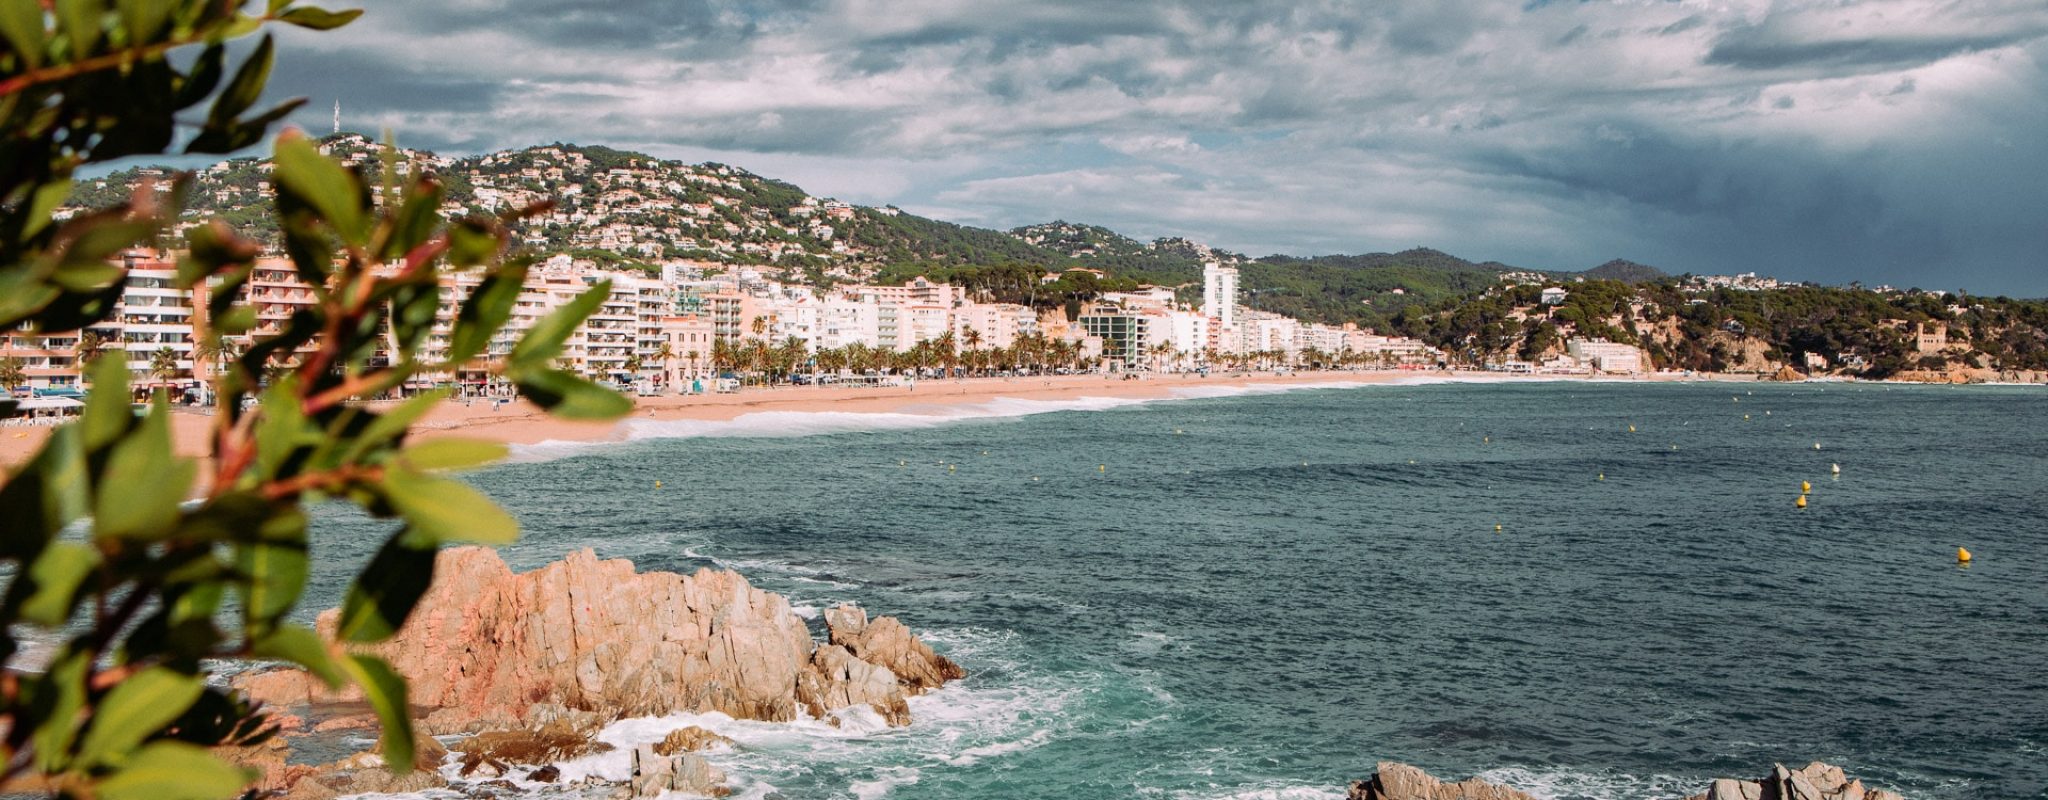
{"x": 142, "y": 566}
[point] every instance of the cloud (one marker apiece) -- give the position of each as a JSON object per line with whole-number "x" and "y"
{"x": 1553, "y": 133}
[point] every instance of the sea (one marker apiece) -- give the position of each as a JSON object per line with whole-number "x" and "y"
{"x": 1597, "y": 590}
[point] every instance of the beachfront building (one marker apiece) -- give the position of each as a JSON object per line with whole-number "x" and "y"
{"x": 997, "y": 324}
{"x": 1606, "y": 356}
{"x": 1219, "y": 294}
{"x": 1124, "y": 334}
{"x": 689, "y": 339}
{"x": 155, "y": 315}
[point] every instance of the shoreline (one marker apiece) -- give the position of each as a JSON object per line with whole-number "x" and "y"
{"x": 522, "y": 423}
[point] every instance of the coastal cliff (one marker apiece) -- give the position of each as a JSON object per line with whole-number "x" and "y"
{"x": 1815, "y": 781}
{"x": 595, "y": 641}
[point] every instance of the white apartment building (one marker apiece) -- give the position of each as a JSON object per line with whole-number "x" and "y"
{"x": 1219, "y": 293}
{"x": 1605, "y": 356}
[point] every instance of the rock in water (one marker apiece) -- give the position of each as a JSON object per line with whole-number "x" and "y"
{"x": 1815, "y": 781}
{"x": 689, "y": 740}
{"x": 486, "y": 644}
{"x": 1394, "y": 781}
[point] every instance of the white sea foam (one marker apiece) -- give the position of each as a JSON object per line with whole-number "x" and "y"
{"x": 887, "y": 778}
{"x": 1263, "y": 791}
{"x": 1549, "y": 784}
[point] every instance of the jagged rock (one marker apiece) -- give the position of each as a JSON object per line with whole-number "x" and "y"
{"x": 887, "y": 643}
{"x": 836, "y": 679}
{"x": 689, "y": 740}
{"x": 363, "y": 773}
{"x": 1394, "y": 781}
{"x": 1815, "y": 781}
{"x": 654, "y": 774}
{"x": 581, "y": 633}
{"x": 547, "y": 774}
{"x": 557, "y": 740}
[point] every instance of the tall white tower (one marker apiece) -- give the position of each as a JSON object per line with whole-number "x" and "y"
{"x": 1219, "y": 293}
{"x": 337, "y": 116}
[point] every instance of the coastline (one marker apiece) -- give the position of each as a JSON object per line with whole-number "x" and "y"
{"x": 521, "y": 423}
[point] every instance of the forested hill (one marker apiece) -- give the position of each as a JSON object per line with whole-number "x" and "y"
{"x": 626, "y": 208}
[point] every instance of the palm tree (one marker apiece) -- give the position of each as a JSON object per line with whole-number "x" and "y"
{"x": 89, "y": 347}
{"x": 163, "y": 364}
{"x": 667, "y": 354}
{"x": 947, "y": 349}
{"x": 973, "y": 339}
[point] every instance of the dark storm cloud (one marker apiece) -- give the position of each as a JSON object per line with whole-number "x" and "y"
{"x": 1818, "y": 138}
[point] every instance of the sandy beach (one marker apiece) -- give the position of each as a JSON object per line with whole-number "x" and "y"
{"x": 522, "y": 423}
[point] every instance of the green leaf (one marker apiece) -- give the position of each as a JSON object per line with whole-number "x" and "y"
{"x": 473, "y": 241}
{"x": 485, "y": 311}
{"x": 144, "y": 482}
{"x": 381, "y": 598}
{"x": 56, "y": 575}
{"x": 443, "y": 510}
{"x": 145, "y": 18}
{"x": 135, "y": 709}
{"x": 107, "y": 414}
{"x": 393, "y": 424}
{"x": 21, "y": 21}
{"x": 385, "y": 690}
{"x": 48, "y": 196}
{"x": 80, "y": 22}
{"x": 275, "y": 566}
{"x": 283, "y": 430}
{"x": 544, "y": 340}
{"x": 48, "y": 493}
{"x": 415, "y": 221}
{"x": 570, "y": 397}
{"x": 300, "y": 645}
{"x": 323, "y": 184}
{"x": 174, "y": 771}
{"x": 59, "y": 697}
{"x": 440, "y": 454}
{"x": 244, "y": 88}
{"x": 320, "y": 19}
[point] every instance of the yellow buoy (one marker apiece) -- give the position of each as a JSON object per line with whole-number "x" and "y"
{"x": 1034, "y": 477}
{"x": 1631, "y": 429}
{"x": 1603, "y": 476}
{"x": 1102, "y": 468}
{"x": 1816, "y": 445}
{"x": 1745, "y": 418}
{"x": 657, "y": 484}
{"x": 1805, "y": 487}
{"x": 1802, "y": 501}
{"x": 984, "y": 452}
{"x": 1486, "y": 440}
{"x": 1963, "y": 555}
{"x": 1835, "y": 468}
{"x": 1496, "y": 529}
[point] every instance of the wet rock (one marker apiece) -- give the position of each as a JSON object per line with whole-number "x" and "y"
{"x": 1815, "y": 781}
{"x": 547, "y": 774}
{"x": 654, "y": 774}
{"x": 486, "y": 644}
{"x": 887, "y": 643}
{"x": 1394, "y": 781}
{"x": 554, "y": 741}
{"x": 689, "y": 740}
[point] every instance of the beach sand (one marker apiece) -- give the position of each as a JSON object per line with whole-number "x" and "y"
{"x": 522, "y": 423}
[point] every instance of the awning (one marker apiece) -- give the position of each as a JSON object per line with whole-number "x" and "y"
{"x": 40, "y": 403}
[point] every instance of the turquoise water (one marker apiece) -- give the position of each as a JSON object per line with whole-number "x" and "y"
{"x": 1261, "y": 595}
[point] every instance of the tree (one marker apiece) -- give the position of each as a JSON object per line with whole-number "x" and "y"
{"x": 163, "y": 364}
{"x": 89, "y": 348}
{"x": 12, "y": 374}
{"x": 136, "y": 591}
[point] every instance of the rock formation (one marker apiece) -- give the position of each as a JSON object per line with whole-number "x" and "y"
{"x": 1815, "y": 781}
{"x": 486, "y": 644}
{"x": 1394, "y": 781}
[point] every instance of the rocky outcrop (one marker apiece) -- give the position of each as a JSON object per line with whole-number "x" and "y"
{"x": 1393, "y": 781}
{"x": 655, "y": 774}
{"x": 1815, "y": 781}
{"x": 486, "y": 644}
{"x": 689, "y": 740}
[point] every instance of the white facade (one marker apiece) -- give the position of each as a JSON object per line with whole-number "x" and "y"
{"x": 1219, "y": 293}
{"x": 1606, "y": 356}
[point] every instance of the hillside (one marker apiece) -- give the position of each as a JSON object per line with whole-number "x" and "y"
{"x": 631, "y": 209}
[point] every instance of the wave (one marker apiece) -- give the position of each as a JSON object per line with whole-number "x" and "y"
{"x": 1552, "y": 784}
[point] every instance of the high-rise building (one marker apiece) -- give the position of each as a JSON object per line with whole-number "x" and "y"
{"x": 1219, "y": 293}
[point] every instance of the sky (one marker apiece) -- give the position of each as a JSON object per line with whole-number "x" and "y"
{"x": 1899, "y": 142}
